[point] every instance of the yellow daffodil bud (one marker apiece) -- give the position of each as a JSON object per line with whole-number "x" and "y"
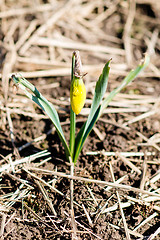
{"x": 77, "y": 90}
{"x": 77, "y": 95}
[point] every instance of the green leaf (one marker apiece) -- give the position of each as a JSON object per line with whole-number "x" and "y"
{"x": 100, "y": 90}
{"x": 45, "y": 105}
{"x": 97, "y": 110}
{"x": 129, "y": 78}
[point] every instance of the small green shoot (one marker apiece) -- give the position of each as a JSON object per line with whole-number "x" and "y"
{"x": 77, "y": 95}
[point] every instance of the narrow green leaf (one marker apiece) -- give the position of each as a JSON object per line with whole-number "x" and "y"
{"x": 97, "y": 110}
{"x": 100, "y": 90}
{"x": 129, "y": 78}
{"x": 45, "y": 105}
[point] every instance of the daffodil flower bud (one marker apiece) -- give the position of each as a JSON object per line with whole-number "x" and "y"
{"x": 77, "y": 95}
{"x": 77, "y": 90}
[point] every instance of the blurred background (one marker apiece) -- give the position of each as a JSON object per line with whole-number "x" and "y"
{"x": 38, "y": 37}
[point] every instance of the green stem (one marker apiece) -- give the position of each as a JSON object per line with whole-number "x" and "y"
{"x": 72, "y": 118}
{"x": 72, "y": 131}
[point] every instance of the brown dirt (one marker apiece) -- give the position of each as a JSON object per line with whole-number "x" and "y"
{"x": 29, "y": 216}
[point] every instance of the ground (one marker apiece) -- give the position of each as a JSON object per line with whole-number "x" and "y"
{"x": 116, "y": 178}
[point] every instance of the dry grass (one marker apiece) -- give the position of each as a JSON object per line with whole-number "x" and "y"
{"x": 37, "y": 40}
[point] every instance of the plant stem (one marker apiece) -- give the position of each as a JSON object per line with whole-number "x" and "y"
{"x": 72, "y": 117}
{"x": 72, "y": 131}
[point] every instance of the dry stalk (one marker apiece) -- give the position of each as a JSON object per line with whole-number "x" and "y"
{"x": 111, "y": 184}
{"x": 121, "y": 209}
{"x": 127, "y": 31}
{"x": 73, "y": 223}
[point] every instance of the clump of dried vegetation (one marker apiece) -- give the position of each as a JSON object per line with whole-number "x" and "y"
{"x": 114, "y": 191}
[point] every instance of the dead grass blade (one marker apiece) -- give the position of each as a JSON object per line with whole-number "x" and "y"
{"x": 77, "y": 45}
{"x": 152, "y": 236}
{"x": 121, "y": 209}
{"x": 7, "y": 167}
{"x": 146, "y": 221}
{"x": 111, "y": 184}
{"x": 3, "y": 220}
{"x": 129, "y": 163}
{"x": 73, "y": 223}
{"x": 46, "y": 198}
{"x": 127, "y": 31}
{"x": 37, "y": 216}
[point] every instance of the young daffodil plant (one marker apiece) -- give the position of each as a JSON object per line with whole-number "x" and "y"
{"x": 77, "y": 99}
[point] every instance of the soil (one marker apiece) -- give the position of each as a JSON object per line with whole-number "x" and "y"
{"x": 32, "y": 217}
{"x": 25, "y": 225}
